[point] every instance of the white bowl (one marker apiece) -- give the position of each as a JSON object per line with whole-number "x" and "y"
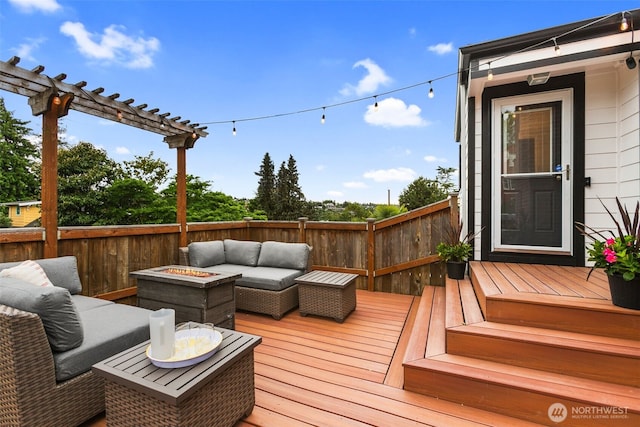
{"x": 191, "y": 346}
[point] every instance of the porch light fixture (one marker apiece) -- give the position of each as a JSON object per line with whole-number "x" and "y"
{"x": 538, "y": 78}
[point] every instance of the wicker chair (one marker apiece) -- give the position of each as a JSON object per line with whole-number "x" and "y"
{"x": 29, "y": 393}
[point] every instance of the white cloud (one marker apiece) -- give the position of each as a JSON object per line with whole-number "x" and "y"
{"x": 394, "y": 174}
{"x": 441, "y": 48}
{"x": 374, "y": 78}
{"x": 29, "y": 6}
{"x": 114, "y": 45}
{"x": 354, "y": 184}
{"x": 412, "y": 32}
{"x": 393, "y": 112}
{"x": 432, "y": 159}
{"x": 320, "y": 168}
{"x": 122, "y": 150}
{"x": 332, "y": 193}
{"x": 24, "y": 50}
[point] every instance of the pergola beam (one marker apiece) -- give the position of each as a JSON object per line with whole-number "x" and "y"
{"x": 30, "y": 83}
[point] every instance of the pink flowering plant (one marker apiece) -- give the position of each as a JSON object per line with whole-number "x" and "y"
{"x": 617, "y": 254}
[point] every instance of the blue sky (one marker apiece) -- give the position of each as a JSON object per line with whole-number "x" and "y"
{"x": 219, "y": 61}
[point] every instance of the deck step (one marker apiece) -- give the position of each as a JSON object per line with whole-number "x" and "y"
{"x": 581, "y": 315}
{"x": 523, "y": 392}
{"x": 569, "y": 353}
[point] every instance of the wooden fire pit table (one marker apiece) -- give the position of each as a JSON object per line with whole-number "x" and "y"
{"x": 194, "y": 293}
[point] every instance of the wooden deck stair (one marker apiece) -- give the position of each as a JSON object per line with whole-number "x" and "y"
{"x": 500, "y": 343}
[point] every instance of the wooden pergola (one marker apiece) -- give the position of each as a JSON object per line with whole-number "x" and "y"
{"x": 52, "y": 98}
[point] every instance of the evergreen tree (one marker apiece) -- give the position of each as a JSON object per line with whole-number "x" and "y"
{"x": 19, "y": 160}
{"x": 290, "y": 201}
{"x": 265, "y": 194}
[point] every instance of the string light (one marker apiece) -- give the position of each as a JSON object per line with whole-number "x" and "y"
{"x": 375, "y": 106}
{"x": 431, "y": 93}
{"x": 322, "y": 119}
{"x": 556, "y": 47}
{"x": 57, "y": 100}
{"x": 624, "y": 24}
{"x": 234, "y": 128}
{"x": 119, "y": 115}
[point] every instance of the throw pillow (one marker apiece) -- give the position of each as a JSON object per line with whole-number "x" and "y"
{"x": 52, "y": 304}
{"x": 29, "y": 271}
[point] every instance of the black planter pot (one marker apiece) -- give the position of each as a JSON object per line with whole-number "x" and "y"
{"x": 625, "y": 293}
{"x": 456, "y": 269}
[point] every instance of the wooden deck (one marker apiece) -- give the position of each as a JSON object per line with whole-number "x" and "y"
{"x": 493, "y": 349}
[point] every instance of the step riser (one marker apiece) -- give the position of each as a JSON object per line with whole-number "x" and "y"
{"x": 508, "y": 400}
{"x": 569, "y": 361}
{"x": 569, "y": 319}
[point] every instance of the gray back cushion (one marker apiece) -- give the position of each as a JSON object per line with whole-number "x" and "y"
{"x": 242, "y": 252}
{"x": 284, "y": 255}
{"x": 52, "y": 304}
{"x": 206, "y": 254}
{"x": 61, "y": 271}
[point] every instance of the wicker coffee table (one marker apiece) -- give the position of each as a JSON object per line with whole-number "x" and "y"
{"x": 216, "y": 392}
{"x": 327, "y": 293}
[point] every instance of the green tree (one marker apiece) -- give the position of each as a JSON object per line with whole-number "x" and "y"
{"x": 154, "y": 172}
{"x": 19, "y": 159}
{"x": 265, "y": 193}
{"x": 423, "y": 191}
{"x": 134, "y": 201}
{"x": 290, "y": 203}
{"x": 84, "y": 173}
{"x": 387, "y": 211}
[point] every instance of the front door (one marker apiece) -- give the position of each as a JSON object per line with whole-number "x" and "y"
{"x": 532, "y": 146}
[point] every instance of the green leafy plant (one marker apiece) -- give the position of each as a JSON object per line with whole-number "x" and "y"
{"x": 456, "y": 248}
{"x": 617, "y": 254}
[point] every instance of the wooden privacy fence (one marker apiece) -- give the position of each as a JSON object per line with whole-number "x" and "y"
{"x": 394, "y": 255}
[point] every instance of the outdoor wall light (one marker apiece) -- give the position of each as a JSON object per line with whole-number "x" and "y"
{"x": 631, "y": 62}
{"x": 538, "y": 78}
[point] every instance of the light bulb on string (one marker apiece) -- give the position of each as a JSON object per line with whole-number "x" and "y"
{"x": 624, "y": 24}
{"x": 556, "y": 47}
{"x": 322, "y": 119}
{"x": 234, "y": 128}
{"x": 119, "y": 115}
{"x": 490, "y": 73}
{"x": 375, "y": 106}
{"x": 431, "y": 94}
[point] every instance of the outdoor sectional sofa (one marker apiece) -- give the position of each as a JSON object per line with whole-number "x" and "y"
{"x": 268, "y": 269}
{"x": 50, "y": 336}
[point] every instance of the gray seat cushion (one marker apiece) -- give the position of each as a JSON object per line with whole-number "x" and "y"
{"x": 268, "y": 278}
{"x": 241, "y": 252}
{"x": 205, "y": 254}
{"x": 52, "y": 304}
{"x": 284, "y": 255}
{"x": 61, "y": 271}
{"x": 229, "y": 268}
{"x": 110, "y": 329}
{"x": 84, "y": 303}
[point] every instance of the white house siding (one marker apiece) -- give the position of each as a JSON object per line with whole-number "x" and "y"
{"x": 612, "y": 141}
{"x": 477, "y": 146}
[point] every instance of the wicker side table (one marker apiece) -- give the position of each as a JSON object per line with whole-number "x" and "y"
{"x": 216, "y": 392}
{"x": 327, "y": 293}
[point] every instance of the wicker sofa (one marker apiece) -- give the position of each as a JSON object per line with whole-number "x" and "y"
{"x": 50, "y": 336}
{"x": 268, "y": 269}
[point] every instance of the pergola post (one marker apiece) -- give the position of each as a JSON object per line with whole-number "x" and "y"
{"x": 181, "y": 143}
{"x": 52, "y": 107}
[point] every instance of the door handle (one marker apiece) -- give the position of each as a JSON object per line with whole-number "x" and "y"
{"x": 568, "y": 171}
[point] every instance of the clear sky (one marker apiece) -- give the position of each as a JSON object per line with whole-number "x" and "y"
{"x": 219, "y": 61}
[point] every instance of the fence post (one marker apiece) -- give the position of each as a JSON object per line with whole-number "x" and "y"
{"x": 247, "y": 233}
{"x": 371, "y": 253}
{"x": 302, "y": 229}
